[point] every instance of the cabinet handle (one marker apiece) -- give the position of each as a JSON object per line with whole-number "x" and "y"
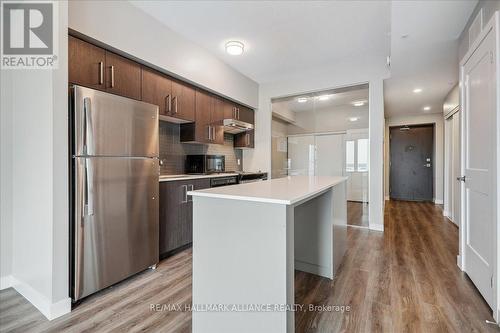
{"x": 184, "y": 194}
{"x": 175, "y": 104}
{"x": 248, "y": 139}
{"x": 213, "y": 135}
{"x": 238, "y": 114}
{"x": 191, "y": 188}
{"x": 209, "y": 133}
{"x": 101, "y": 72}
{"x": 112, "y": 76}
{"x": 168, "y": 103}
{"x": 234, "y": 112}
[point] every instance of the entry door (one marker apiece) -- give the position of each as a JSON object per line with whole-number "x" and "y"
{"x": 479, "y": 159}
{"x": 411, "y": 168}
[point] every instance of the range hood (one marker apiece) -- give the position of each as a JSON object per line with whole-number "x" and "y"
{"x": 234, "y": 126}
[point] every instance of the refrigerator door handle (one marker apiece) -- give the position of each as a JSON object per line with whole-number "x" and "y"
{"x": 87, "y": 127}
{"x": 88, "y": 194}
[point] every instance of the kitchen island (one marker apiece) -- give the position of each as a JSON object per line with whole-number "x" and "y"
{"x": 247, "y": 241}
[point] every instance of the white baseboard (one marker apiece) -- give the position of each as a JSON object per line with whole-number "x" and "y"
{"x": 459, "y": 262}
{"x": 5, "y": 282}
{"x": 45, "y": 306}
{"x": 314, "y": 269}
{"x": 446, "y": 213}
{"x": 438, "y": 201}
{"x": 376, "y": 227}
{"x": 387, "y": 198}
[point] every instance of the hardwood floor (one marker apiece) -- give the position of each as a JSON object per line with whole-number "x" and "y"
{"x": 402, "y": 280}
{"x": 357, "y": 214}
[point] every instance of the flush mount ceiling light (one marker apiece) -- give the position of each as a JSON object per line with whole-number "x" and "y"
{"x": 417, "y": 90}
{"x": 323, "y": 97}
{"x": 358, "y": 103}
{"x": 427, "y": 108}
{"x": 234, "y": 47}
{"x": 302, "y": 99}
{"x": 353, "y": 119}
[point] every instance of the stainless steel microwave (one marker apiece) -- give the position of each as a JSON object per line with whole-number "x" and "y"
{"x": 204, "y": 164}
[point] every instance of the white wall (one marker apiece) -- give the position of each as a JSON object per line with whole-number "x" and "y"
{"x": 436, "y": 119}
{"x": 35, "y": 108}
{"x": 329, "y": 119}
{"x": 6, "y": 179}
{"x": 351, "y": 72}
{"x": 123, "y": 26}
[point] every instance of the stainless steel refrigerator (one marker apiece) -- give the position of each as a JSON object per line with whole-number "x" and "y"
{"x": 114, "y": 189}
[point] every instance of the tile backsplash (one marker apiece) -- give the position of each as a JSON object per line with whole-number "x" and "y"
{"x": 173, "y": 152}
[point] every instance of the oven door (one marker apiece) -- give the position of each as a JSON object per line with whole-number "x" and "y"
{"x": 214, "y": 163}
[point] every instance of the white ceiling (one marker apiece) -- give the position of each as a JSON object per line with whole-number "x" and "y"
{"x": 280, "y": 37}
{"x": 427, "y": 58}
{"x": 286, "y": 37}
{"x": 337, "y": 99}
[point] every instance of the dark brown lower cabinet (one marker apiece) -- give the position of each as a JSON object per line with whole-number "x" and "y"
{"x": 176, "y": 213}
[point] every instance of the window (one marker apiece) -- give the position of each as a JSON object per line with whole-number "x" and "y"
{"x": 349, "y": 156}
{"x": 356, "y": 155}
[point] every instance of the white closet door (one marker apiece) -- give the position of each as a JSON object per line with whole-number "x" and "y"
{"x": 301, "y": 154}
{"x": 480, "y": 133}
{"x": 329, "y": 155}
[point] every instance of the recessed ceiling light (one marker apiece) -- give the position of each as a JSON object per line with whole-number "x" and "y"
{"x": 302, "y": 99}
{"x": 358, "y": 103}
{"x": 234, "y": 47}
{"x": 417, "y": 90}
{"x": 323, "y": 97}
{"x": 427, "y": 108}
{"x": 353, "y": 119}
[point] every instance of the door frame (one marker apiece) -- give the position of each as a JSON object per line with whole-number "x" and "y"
{"x": 449, "y": 167}
{"x": 493, "y": 27}
{"x": 434, "y": 150}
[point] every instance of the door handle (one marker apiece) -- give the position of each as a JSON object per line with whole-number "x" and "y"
{"x": 461, "y": 179}
{"x": 87, "y": 126}
{"x": 101, "y": 72}
{"x": 88, "y": 195}
{"x": 112, "y": 76}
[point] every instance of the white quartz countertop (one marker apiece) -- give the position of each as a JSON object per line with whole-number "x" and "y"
{"x": 169, "y": 178}
{"x": 287, "y": 191}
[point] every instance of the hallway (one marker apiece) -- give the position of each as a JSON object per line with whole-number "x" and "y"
{"x": 403, "y": 280}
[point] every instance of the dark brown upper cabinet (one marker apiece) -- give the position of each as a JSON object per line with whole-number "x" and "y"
{"x": 157, "y": 89}
{"x": 207, "y": 127}
{"x": 245, "y": 114}
{"x": 123, "y": 76}
{"x": 94, "y": 67}
{"x": 86, "y": 64}
{"x": 244, "y": 140}
{"x": 183, "y": 101}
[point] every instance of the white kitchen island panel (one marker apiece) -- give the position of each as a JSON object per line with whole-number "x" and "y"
{"x": 245, "y": 251}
